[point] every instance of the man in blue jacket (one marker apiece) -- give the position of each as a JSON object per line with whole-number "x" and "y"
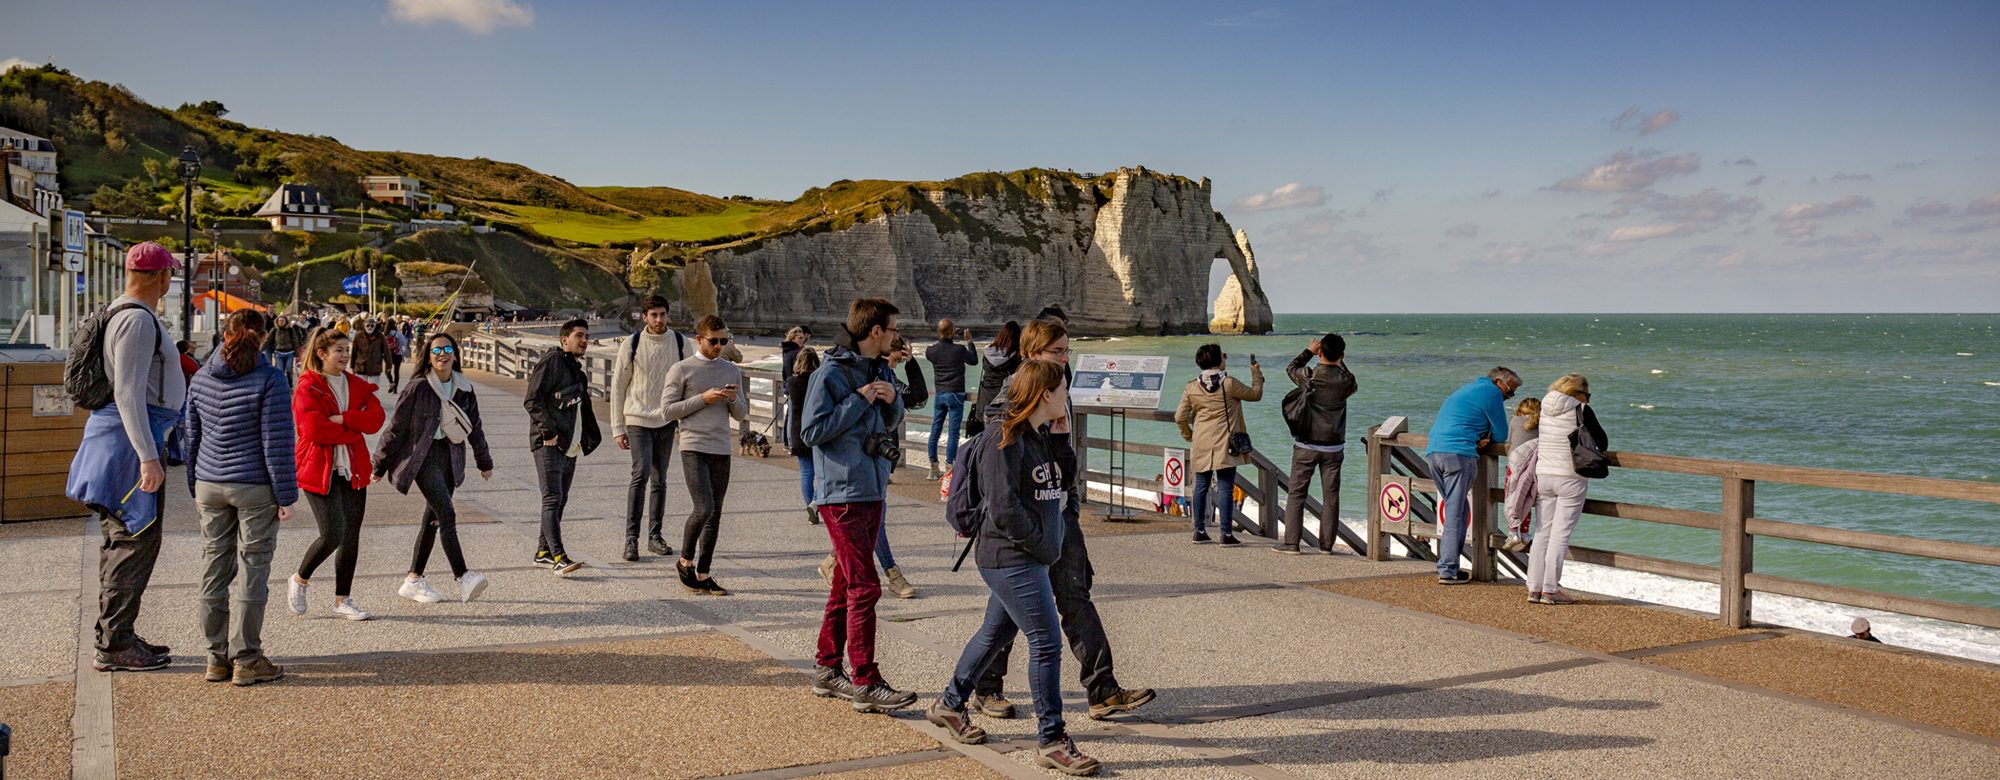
{"x": 851, "y": 414}
{"x": 1470, "y": 418}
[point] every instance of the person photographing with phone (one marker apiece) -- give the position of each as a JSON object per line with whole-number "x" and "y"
{"x": 703, "y": 395}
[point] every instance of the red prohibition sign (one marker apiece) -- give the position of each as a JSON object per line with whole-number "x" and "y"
{"x": 1174, "y": 472}
{"x": 1395, "y": 502}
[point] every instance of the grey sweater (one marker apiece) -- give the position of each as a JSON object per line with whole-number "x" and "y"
{"x": 140, "y": 375}
{"x": 704, "y": 427}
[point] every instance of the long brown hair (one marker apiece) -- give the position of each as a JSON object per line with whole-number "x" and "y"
{"x": 1024, "y": 395}
{"x": 322, "y": 340}
{"x": 424, "y": 356}
{"x": 242, "y": 337}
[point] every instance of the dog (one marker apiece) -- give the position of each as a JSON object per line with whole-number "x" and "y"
{"x": 753, "y": 443}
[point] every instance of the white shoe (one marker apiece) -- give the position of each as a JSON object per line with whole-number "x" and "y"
{"x": 470, "y": 586}
{"x": 296, "y": 595}
{"x": 348, "y": 609}
{"x": 419, "y": 590}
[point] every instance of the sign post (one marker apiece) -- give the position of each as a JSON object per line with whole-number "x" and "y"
{"x": 1118, "y": 382}
{"x": 76, "y": 241}
{"x": 1394, "y": 503}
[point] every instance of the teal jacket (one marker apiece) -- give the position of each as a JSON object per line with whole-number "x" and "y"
{"x": 1471, "y": 413}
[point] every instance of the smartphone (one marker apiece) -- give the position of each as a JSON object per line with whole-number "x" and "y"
{"x": 1253, "y": 358}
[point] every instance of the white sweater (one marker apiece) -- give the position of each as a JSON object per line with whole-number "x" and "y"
{"x": 639, "y": 396}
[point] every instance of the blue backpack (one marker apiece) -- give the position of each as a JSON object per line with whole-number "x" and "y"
{"x": 963, "y": 506}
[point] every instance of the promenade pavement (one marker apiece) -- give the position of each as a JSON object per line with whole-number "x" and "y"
{"x": 1267, "y": 666}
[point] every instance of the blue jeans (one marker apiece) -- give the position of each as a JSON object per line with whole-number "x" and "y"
{"x": 1223, "y": 482}
{"x": 806, "y": 478}
{"x": 1022, "y": 599}
{"x": 1453, "y": 474}
{"x": 949, "y": 418}
{"x": 283, "y": 362}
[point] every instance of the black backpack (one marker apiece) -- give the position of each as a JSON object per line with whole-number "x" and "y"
{"x": 1587, "y": 446}
{"x": 83, "y": 373}
{"x": 963, "y": 503}
{"x": 1297, "y": 410}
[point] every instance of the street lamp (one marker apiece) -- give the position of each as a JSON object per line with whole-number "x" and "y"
{"x": 190, "y": 169}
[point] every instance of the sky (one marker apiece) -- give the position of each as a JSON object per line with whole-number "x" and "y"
{"x": 1383, "y": 157}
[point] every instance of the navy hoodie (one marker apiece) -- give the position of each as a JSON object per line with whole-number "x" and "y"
{"x": 1021, "y": 492}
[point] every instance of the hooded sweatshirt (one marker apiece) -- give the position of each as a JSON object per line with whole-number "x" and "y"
{"x": 836, "y": 421}
{"x": 1559, "y": 417}
{"x": 239, "y": 428}
{"x": 1022, "y": 491}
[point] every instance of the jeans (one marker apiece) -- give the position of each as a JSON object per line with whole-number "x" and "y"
{"x": 1222, "y": 482}
{"x": 394, "y": 368}
{"x": 1561, "y": 502}
{"x": 124, "y": 567}
{"x": 239, "y": 531}
{"x": 338, "y": 514}
{"x": 1304, "y": 463}
{"x": 652, "y": 451}
{"x": 555, "y": 471}
{"x": 848, "y": 625}
{"x": 1070, "y": 577}
{"x": 946, "y": 420}
{"x": 1454, "y": 476}
{"x": 283, "y": 362}
{"x": 440, "y": 518}
{"x": 707, "y": 483}
{"x": 806, "y": 479}
{"x": 1022, "y": 599}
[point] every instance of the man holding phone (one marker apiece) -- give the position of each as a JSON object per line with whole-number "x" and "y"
{"x": 703, "y": 394}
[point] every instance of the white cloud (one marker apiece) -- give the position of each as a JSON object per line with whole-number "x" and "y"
{"x": 1924, "y": 209}
{"x": 1709, "y": 205}
{"x": 1647, "y": 124}
{"x": 1462, "y": 230}
{"x": 16, "y": 62}
{"x": 1982, "y": 207}
{"x": 476, "y": 16}
{"x": 1842, "y": 207}
{"x": 1650, "y": 232}
{"x": 1630, "y": 171}
{"x": 1319, "y": 237}
{"x": 1286, "y": 196}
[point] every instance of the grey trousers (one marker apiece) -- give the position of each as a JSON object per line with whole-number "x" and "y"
{"x": 239, "y": 530}
{"x": 1304, "y": 463}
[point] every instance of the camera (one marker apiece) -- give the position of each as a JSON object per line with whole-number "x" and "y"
{"x": 885, "y": 446}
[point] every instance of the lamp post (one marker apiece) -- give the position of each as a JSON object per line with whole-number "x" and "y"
{"x": 190, "y": 170}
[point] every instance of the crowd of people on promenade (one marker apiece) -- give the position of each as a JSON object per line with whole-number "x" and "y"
{"x": 283, "y": 409}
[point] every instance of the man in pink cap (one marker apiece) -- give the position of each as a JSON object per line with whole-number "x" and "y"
{"x": 121, "y": 447}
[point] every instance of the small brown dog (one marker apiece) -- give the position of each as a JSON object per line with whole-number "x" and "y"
{"x": 754, "y": 443}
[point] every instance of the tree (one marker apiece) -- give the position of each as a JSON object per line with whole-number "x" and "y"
{"x": 212, "y": 108}
{"x": 135, "y": 199}
{"x": 154, "y": 170}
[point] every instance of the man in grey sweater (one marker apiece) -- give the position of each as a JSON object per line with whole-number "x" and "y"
{"x": 703, "y": 393}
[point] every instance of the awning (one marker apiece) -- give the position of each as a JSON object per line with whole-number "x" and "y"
{"x": 230, "y": 303}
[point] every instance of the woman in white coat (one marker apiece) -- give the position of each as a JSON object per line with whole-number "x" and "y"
{"x": 1559, "y": 490}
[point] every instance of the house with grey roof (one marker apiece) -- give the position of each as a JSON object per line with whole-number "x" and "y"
{"x": 298, "y": 207}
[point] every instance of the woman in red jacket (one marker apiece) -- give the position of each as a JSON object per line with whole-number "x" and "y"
{"x": 334, "y": 410}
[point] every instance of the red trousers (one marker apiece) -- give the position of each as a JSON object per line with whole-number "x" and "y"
{"x": 849, "y": 624}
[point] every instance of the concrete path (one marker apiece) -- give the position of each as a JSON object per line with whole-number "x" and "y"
{"x": 1268, "y": 666}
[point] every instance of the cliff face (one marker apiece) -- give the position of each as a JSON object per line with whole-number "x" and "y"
{"x": 1127, "y": 253}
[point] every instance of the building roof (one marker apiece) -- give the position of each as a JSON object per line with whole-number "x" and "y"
{"x": 26, "y": 141}
{"x": 291, "y": 199}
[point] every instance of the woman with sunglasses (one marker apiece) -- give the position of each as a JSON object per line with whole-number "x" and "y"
{"x": 426, "y": 445}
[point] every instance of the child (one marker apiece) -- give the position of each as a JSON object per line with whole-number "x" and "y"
{"x": 1520, "y": 480}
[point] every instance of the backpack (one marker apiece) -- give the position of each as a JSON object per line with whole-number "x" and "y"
{"x": 962, "y": 507}
{"x": 1297, "y": 410}
{"x": 84, "y": 377}
{"x": 680, "y": 347}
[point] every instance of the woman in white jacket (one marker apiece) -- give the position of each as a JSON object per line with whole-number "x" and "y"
{"x": 1558, "y": 489}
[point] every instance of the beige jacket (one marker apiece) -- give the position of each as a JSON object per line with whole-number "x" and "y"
{"x": 1208, "y": 417}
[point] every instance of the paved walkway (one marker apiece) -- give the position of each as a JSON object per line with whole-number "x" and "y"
{"x": 1268, "y": 666}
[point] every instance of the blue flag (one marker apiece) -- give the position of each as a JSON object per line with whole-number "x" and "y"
{"x": 355, "y": 285}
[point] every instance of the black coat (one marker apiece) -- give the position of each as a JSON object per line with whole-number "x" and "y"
{"x": 795, "y": 389}
{"x": 555, "y": 388}
{"x": 412, "y": 434}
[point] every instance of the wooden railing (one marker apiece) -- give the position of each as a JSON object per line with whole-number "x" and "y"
{"x": 1396, "y": 452}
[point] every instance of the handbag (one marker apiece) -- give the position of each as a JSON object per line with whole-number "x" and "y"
{"x": 1239, "y": 443}
{"x": 1586, "y": 446}
{"x": 451, "y": 419}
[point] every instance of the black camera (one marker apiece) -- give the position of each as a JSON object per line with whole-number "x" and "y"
{"x": 885, "y": 446}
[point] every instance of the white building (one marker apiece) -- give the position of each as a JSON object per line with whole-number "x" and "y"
{"x": 298, "y": 207}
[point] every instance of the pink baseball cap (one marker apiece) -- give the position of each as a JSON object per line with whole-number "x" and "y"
{"x": 150, "y": 257}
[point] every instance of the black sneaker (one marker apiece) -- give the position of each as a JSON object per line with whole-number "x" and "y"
{"x": 956, "y": 722}
{"x": 1231, "y": 541}
{"x": 711, "y": 587}
{"x": 658, "y": 546}
{"x": 131, "y": 659}
{"x": 563, "y": 565}
{"x": 830, "y": 682}
{"x": 631, "y": 550}
{"x": 686, "y": 573}
{"x": 1122, "y": 701}
{"x": 544, "y": 559}
{"x": 882, "y": 698}
{"x": 1201, "y": 538}
{"x": 1283, "y": 550}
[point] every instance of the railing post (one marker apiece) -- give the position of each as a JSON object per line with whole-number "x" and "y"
{"x": 1267, "y": 507}
{"x": 1378, "y": 548}
{"x": 1079, "y": 427}
{"x": 1738, "y": 504}
{"x": 1483, "y": 569}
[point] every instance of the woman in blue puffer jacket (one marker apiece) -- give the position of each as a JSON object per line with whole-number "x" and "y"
{"x": 240, "y": 469}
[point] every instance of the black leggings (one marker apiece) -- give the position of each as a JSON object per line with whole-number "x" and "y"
{"x": 339, "y": 516}
{"x": 707, "y": 481}
{"x": 434, "y": 481}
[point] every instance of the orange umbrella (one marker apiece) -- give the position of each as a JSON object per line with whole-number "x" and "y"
{"x": 229, "y": 303}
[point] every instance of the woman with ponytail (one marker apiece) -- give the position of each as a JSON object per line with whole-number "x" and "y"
{"x": 335, "y": 411}
{"x": 240, "y": 470}
{"x": 437, "y": 419}
{"x": 1021, "y": 485}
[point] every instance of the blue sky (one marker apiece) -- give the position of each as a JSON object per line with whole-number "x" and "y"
{"x": 1502, "y": 157}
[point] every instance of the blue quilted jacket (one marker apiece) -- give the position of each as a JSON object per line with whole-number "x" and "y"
{"x": 239, "y": 428}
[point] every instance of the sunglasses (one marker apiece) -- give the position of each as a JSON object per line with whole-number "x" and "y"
{"x": 717, "y": 342}
{"x": 445, "y": 350}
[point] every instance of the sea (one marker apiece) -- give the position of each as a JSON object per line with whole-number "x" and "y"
{"x": 1915, "y": 394}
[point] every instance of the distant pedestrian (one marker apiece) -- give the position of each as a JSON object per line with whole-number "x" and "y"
{"x": 996, "y": 363}
{"x": 285, "y": 340}
{"x": 1523, "y": 447}
{"x": 639, "y": 422}
{"x": 807, "y": 361}
{"x": 244, "y": 479}
{"x": 394, "y": 346}
{"x": 1559, "y": 489}
{"x": 188, "y": 364}
{"x": 1471, "y": 418}
{"x": 436, "y": 420}
{"x": 1319, "y": 437}
{"x": 949, "y": 359}
{"x": 334, "y": 410}
{"x": 1862, "y": 631}
{"x": 561, "y": 429}
{"x": 371, "y": 351}
{"x": 703, "y": 393}
{"x": 796, "y": 339}
{"x": 1211, "y": 418}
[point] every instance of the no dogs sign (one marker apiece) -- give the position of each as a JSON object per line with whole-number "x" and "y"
{"x": 1394, "y": 503}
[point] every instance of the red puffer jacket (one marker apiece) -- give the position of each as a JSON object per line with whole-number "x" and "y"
{"x": 313, "y": 406}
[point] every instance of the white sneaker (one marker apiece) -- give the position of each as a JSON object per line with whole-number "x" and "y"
{"x": 470, "y": 586}
{"x": 296, "y": 595}
{"x": 419, "y": 590}
{"x": 348, "y": 609}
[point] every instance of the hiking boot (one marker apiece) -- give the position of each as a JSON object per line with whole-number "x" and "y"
{"x": 658, "y": 546}
{"x": 131, "y": 659}
{"x": 257, "y": 671}
{"x": 631, "y": 550}
{"x": 563, "y": 566}
{"x": 896, "y": 584}
{"x": 1122, "y": 701}
{"x": 1063, "y": 757}
{"x": 150, "y": 647}
{"x": 954, "y": 722}
{"x": 218, "y": 670}
{"x": 1459, "y": 579}
{"x": 826, "y": 570}
{"x": 830, "y": 682}
{"x": 881, "y": 698}
{"x": 544, "y": 559}
{"x": 710, "y": 587}
{"x": 1201, "y": 537}
{"x": 994, "y": 706}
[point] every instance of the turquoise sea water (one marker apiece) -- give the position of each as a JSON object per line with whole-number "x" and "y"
{"x": 1898, "y": 394}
